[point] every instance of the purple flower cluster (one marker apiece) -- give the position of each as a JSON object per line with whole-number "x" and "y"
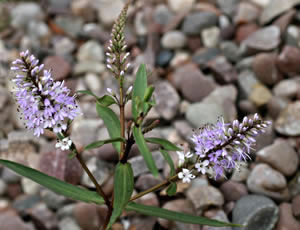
{"x": 45, "y": 103}
{"x": 222, "y": 147}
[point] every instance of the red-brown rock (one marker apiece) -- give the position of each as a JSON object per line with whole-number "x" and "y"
{"x": 60, "y": 67}
{"x": 265, "y": 68}
{"x": 288, "y": 60}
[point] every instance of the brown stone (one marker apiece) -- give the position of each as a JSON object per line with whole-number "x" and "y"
{"x": 10, "y": 221}
{"x": 223, "y": 70}
{"x": 288, "y": 60}
{"x": 88, "y": 216}
{"x": 42, "y": 217}
{"x": 192, "y": 82}
{"x": 246, "y": 12}
{"x": 284, "y": 21}
{"x": 280, "y": 156}
{"x": 296, "y": 206}
{"x": 265, "y": 68}
{"x": 286, "y": 218}
{"x": 244, "y": 31}
{"x": 57, "y": 164}
{"x": 60, "y": 67}
{"x": 233, "y": 191}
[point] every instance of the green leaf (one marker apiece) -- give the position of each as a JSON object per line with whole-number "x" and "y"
{"x": 167, "y": 145}
{"x": 143, "y": 148}
{"x": 172, "y": 188}
{"x": 169, "y": 161}
{"x": 139, "y": 89}
{"x": 111, "y": 122}
{"x": 123, "y": 188}
{"x": 106, "y": 100}
{"x": 54, "y": 184}
{"x": 98, "y": 144}
{"x": 148, "y": 93}
{"x": 87, "y": 92}
{"x": 71, "y": 155}
{"x": 176, "y": 216}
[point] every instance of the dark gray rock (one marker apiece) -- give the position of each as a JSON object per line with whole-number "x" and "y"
{"x": 164, "y": 57}
{"x": 228, "y": 6}
{"x": 204, "y": 55}
{"x": 255, "y": 212}
{"x": 162, "y": 15}
{"x": 194, "y": 23}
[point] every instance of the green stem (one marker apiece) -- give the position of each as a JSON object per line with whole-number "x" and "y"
{"x": 93, "y": 179}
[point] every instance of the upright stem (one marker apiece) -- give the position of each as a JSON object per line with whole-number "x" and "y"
{"x": 93, "y": 179}
{"x": 122, "y": 120}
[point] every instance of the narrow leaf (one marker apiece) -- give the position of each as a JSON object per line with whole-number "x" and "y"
{"x": 176, "y": 216}
{"x": 106, "y": 100}
{"x": 123, "y": 188}
{"x": 143, "y": 148}
{"x": 87, "y": 92}
{"x": 172, "y": 188}
{"x": 111, "y": 122}
{"x": 139, "y": 89}
{"x": 54, "y": 184}
{"x": 98, "y": 144}
{"x": 167, "y": 145}
{"x": 169, "y": 161}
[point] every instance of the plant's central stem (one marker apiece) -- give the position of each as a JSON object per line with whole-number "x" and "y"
{"x": 122, "y": 120}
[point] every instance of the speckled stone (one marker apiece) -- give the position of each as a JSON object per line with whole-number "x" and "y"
{"x": 255, "y": 212}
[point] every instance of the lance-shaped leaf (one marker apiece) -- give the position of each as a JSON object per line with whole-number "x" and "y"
{"x": 143, "y": 148}
{"x": 58, "y": 186}
{"x": 106, "y": 100}
{"x": 169, "y": 161}
{"x": 171, "y": 189}
{"x": 98, "y": 144}
{"x": 87, "y": 92}
{"x": 176, "y": 216}
{"x": 165, "y": 144}
{"x": 111, "y": 122}
{"x": 123, "y": 188}
{"x": 139, "y": 89}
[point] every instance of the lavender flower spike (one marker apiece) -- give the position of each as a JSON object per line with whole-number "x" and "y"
{"x": 45, "y": 104}
{"x": 222, "y": 147}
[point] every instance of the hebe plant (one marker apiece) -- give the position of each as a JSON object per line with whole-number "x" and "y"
{"x": 47, "y": 104}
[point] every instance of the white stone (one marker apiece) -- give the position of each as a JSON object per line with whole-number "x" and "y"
{"x": 108, "y": 10}
{"x": 90, "y": 51}
{"x": 210, "y": 36}
{"x": 261, "y": 3}
{"x": 93, "y": 82}
{"x": 173, "y": 40}
{"x": 181, "y": 5}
